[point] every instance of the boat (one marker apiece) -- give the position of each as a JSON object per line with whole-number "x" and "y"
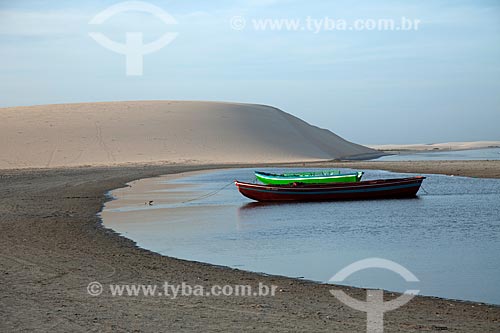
{"x": 321, "y": 177}
{"x": 370, "y": 189}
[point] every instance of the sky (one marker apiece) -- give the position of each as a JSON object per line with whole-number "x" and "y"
{"x": 439, "y": 83}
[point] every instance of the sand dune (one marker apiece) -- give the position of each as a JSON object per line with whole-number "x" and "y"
{"x": 438, "y": 146}
{"x": 153, "y": 131}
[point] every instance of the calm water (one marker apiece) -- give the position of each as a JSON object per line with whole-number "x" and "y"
{"x": 473, "y": 154}
{"x": 449, "y": 237}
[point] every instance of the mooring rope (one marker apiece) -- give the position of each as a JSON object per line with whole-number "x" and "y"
{"x": 209, "y": 194}
{"x": 423, "y": 189}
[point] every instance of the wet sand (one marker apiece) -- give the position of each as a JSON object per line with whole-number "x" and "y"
{"x": 53, "y": 245}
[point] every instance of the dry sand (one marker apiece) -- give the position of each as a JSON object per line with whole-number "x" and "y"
{"x": 52, "y": 245}
{"x": 444, "y": 146}
{"x": 154, "y": 131}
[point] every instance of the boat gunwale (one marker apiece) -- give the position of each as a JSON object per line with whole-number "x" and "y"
{"x": 279, "y": 177}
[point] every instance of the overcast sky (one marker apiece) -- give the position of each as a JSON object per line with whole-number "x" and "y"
{"x": 439, "y": 83}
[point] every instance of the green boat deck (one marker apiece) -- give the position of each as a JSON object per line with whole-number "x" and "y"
{"x": 320, "y": 177}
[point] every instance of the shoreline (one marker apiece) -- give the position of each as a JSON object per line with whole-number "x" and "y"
{"x": 54, "y": 244}
{"x": 470, "y": 168}
{"x": 434, "y": 147}
{"x": 141, "y": 190}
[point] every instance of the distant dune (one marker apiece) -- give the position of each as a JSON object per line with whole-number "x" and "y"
{"x": 438, "y": 146}
{"x": 154, "y": 131}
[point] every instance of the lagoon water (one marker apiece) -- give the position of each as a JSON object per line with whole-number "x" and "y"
{"x": 449, "y": 236}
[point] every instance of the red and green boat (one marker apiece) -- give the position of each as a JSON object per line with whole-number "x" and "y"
{"x": 318, "y": 177}
{"x": 370, "y": 189}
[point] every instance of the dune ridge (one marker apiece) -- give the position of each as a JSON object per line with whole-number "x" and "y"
{"x": 110, "y": 133}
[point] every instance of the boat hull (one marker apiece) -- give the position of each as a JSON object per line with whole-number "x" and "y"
{"x": 308, "y": 178}
{"x": 365, "y": 190}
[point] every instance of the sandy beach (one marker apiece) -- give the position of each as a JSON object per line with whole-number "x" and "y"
{"x": 444, "y": 146}
{"x": 130, "y": 133}
{"x": 53, "y": 245}
{"x": 59, "y": 161}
